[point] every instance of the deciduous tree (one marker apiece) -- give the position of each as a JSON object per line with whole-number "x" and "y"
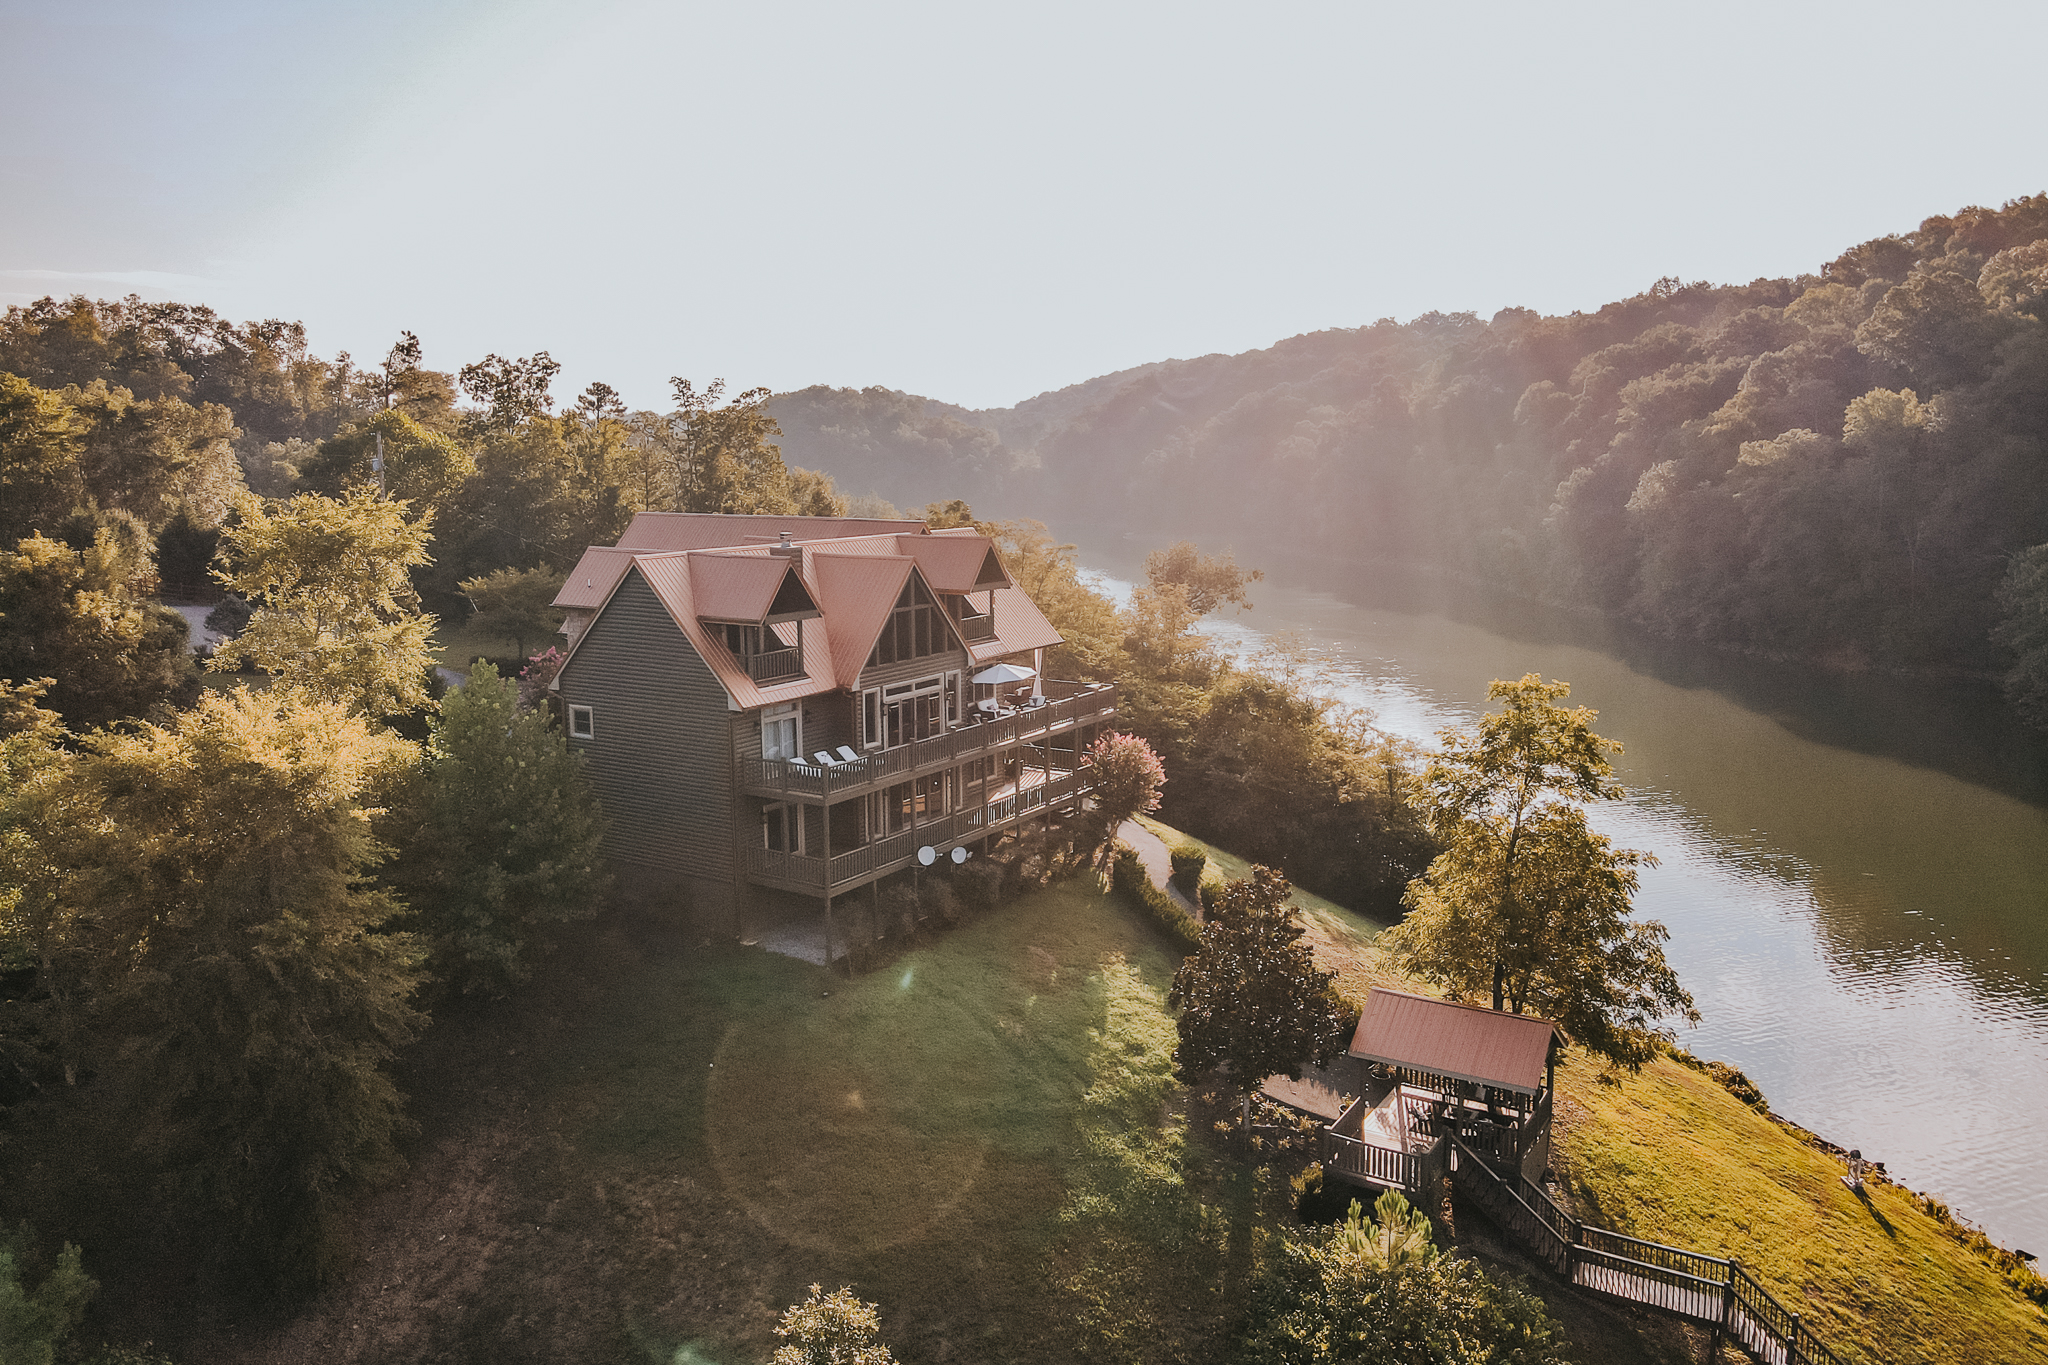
{"x": 75, "y": 617}
{"x": 1526, "y": 902}
{"x": 1331, "y": 1298}
{"x": 242, "y": 991}
{"x": 1127, "y": 777}
{"x": 335, "y": 612}
{"x": 517, "y": 603}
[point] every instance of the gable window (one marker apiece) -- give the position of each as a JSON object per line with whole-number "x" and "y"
{"x": 582, "y": 723}
{"x": 914, "y": 630}
{"x": 782, "y": 733}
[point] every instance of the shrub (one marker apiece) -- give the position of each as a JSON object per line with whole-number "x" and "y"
{"x": 899, "y": 909}
{"x": 831, "y": 1329}
{"x": 938, "y": 901}
{"x": 1189, "y": 861}
{"x": 1128, "y": 878}
{"x": 975, "y": 884}
{"x": 229, "y": 616}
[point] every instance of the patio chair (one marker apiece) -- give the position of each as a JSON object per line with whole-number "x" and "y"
{"x": 847, "y": 754}
{"x": 825, "y": 760}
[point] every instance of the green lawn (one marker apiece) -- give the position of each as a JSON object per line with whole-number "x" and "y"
{"x": 1669, "y": 1156}
{"x": 455, "y": 643}
{"x": 652, "y": 1149}
{"x": 1342, "y": 938}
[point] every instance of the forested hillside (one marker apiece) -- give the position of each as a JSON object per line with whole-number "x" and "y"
{"x": 1848, "y": 467}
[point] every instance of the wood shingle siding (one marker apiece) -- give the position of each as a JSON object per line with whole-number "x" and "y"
{"x": 660, "y": 756}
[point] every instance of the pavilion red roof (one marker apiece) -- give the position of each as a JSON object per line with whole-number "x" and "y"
{"x": 1468, "y": 1042}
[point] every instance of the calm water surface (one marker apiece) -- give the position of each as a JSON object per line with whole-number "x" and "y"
{"x": 1854, "y": 872}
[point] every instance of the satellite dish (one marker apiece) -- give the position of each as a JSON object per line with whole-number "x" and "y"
{"x": 960, "y": 855}
{"x": 927, "y": 855}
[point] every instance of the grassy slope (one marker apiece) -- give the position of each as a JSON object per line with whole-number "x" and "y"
{"x": 1670, "y": 1156}
{"x": 653, "y": 1148}
{"x": 1342, "y": 938}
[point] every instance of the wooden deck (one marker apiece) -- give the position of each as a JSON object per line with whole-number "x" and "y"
{"x": 1060, "y": 717}
{"x": 1028, "y": 798}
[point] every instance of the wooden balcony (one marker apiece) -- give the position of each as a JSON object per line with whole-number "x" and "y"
{"x": 858, "y": 866}
{"x": 774, "y": 664}
{"x": 787, "y": 780}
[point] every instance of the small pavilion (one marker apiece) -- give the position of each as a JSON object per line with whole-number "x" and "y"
{"x": 1434, "y": 1071}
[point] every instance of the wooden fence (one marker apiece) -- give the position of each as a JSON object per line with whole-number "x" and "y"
{"x": 1687, "y": 1284}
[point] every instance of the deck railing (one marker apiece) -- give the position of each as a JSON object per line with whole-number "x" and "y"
{"x": 1688, "y": 1284}
{"x": 1347, "y": 1153}
{"x": 788, "y": 780}
{"x": 815, "y": 874}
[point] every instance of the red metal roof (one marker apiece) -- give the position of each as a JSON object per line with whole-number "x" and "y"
{"x": 736, "y": 587}
{"x": 854, "y": 579}
{"x": 718, "y": 530}
{"x": 856, "y": 593}
{"x": 1469, "y": 1042}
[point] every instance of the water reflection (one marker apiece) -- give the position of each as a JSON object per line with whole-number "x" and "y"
{"x": 1854, "y": 871}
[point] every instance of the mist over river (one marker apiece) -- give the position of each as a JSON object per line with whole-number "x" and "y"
{"x": 1854, "y": 870}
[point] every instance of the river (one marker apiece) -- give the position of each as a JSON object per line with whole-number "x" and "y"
{"x": 1854, "y": 871}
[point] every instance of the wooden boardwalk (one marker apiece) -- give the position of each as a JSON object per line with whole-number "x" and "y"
{"x": 1708, "y": 1290}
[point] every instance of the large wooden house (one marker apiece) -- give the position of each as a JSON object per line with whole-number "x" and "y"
{"x": 789, "y": 706}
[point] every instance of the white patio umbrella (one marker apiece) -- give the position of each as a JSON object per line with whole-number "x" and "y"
{"x": 1005, "y": 673}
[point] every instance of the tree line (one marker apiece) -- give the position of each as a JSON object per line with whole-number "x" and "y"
{"x": 1844, "y": 467}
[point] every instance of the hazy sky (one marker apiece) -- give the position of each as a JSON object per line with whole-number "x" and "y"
{"x": 970, "y": 201}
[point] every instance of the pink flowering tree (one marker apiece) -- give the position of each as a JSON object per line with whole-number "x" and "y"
{"x": 1128, "y": 775}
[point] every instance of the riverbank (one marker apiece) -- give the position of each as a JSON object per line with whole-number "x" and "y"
{"x": 1669, "y": 1155}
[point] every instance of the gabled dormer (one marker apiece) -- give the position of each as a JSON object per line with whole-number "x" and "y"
{"x": 916, "y": 627}
{"x": 756, "y": 606}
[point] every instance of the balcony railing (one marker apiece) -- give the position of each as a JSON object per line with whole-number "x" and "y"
{"x": 982, "y": 627}
{"x": 790, "y": 780}
{"x": 858, "y": 866}
{"x": 775, "y": 663}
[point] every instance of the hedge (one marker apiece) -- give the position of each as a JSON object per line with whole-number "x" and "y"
{"x": 1188, "y": 860}
{"x": 1128, "y": 878}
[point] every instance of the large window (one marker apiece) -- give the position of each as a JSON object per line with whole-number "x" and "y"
{"x": 782, "y": 733}
{"x": 914, "y": 630}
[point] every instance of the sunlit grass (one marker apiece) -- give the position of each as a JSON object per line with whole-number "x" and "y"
{"x": 1669, "y": 1156}
{"x": 951, "y": 1134}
